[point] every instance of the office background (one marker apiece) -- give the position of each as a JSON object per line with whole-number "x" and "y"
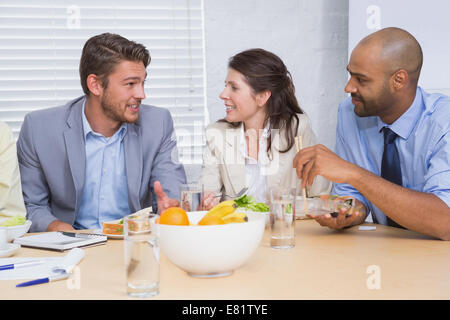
{"x": 191, "y": 41}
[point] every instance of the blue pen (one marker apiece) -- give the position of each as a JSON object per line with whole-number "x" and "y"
{"x": 21, "y": 265}
{"x": 44, "y": 280}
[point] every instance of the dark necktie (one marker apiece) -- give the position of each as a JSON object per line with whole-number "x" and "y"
{"x": 390, "y": 165}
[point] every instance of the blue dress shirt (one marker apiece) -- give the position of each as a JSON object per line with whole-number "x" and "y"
{"x": 423, "y": 145}
{"x": 105, "y": 191}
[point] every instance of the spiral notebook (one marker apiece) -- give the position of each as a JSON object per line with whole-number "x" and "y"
{"x": 61, "y": 241}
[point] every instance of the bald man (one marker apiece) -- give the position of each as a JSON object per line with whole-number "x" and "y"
{"x": 392, "y": 148}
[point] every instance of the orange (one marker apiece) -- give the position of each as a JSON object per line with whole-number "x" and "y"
{"x": 209, "y": 220}
{"x": 174, "y": 216}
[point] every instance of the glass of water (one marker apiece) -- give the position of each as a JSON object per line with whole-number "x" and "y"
{"x": 282, "y": 205}
{"x": 141, "y": 243}
{"x": 191, "y": 195}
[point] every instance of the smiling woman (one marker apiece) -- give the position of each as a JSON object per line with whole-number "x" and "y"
{"x": 253, "y": 146}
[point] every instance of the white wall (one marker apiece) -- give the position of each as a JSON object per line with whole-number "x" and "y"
{"x": 311, "y": 37}
{"x": 427, "y": 21}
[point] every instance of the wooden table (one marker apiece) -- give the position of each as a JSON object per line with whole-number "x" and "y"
{"x": 387, "y": 263}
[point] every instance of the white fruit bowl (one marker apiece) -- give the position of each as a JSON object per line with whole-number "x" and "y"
{"x": 212, "y": 250}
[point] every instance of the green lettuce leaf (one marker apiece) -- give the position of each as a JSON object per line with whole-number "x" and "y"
{"x": 13, "y": 221}
{"x": 249, "y": 203}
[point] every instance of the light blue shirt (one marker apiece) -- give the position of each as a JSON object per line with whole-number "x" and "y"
{"x": 423, "y": 145}
{"x": 105, "y": 191}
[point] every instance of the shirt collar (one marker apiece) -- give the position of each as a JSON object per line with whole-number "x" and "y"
{"x": 404, "y": 125}
{"x": 243, "y": 143}
{"x": 87, "y": 127}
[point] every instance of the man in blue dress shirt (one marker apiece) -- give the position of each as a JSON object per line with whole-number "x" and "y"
{"x": 392, "y": 144}
{"x": 103, "y": 155}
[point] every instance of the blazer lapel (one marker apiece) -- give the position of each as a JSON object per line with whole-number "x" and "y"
{"x": 133, "y": 164}
{"x": 274, "y": 165}
{"x": 277, "y": 172}
{"x": 234, "y": 159}
{"x": 75, "y": 148}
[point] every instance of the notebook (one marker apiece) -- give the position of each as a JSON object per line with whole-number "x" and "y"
{"x": 61, "y": 241}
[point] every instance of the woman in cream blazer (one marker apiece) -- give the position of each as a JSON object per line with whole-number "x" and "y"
{"x": 253, "y": 147}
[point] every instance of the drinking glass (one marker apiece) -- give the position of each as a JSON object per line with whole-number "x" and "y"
{"x": 191, "y": 194}
{"x": 141, "y": 243}
{"x": 282, "y": 205}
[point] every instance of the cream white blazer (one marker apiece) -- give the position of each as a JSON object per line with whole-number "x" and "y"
{"x": 223, "y": 168}
{"x": 11, "y": 199}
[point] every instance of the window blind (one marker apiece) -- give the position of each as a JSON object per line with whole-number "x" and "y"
{"x": 40, "y": 50}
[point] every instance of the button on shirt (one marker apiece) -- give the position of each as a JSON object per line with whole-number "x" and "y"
{"x": 105, "y": 192}
{"x": 423, "y": 144}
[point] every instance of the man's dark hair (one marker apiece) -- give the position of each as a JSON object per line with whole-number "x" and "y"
{"x": 103, "y": 52}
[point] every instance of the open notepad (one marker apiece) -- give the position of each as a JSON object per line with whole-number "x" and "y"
{"x": 61, "y": 240}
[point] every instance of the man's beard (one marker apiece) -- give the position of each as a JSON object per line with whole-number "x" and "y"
{"x": 360, "y": 110}
{"x": 375, "y": 105}
{"x": 365, "y": 108}
{"x": 114, "y": 111}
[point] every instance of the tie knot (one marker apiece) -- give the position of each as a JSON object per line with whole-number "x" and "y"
{"x": 389, "y": 135}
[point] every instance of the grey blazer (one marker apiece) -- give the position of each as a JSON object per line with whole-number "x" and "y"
{"x": 52, "y": 157}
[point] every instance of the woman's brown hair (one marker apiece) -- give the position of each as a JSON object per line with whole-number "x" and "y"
{"x": 263, "y": 71}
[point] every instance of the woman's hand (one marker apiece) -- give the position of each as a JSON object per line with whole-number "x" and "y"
{"x": 210, "y": 199}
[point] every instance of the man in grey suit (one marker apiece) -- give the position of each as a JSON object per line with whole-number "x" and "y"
{"x": 103, "y": 155}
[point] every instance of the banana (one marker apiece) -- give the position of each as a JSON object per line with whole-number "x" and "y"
{"x": 217, "y": 213}
{"x": 222, "y": 209}
{"x": 223, "y": 204}
{"x": 235, "y": 217}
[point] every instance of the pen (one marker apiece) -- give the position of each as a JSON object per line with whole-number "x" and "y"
{"x": 43, "y": 280}
{"x": 79, "y": 235}
{"x": 21, "y": 265}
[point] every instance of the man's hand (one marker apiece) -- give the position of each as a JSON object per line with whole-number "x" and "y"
{"x": 164, "y": 201}
{"x": 342, "y": 219}
{"x": 318, "y": 160}
{"x": 57, "y": 225}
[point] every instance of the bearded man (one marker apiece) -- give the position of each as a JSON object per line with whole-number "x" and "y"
{"x": 103, "y": 155}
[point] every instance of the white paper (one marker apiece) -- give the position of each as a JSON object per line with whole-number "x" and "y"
{"x": 72, "y": 258}
{"x": 67, "y": 263}
{"x": 367, "y": 228}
